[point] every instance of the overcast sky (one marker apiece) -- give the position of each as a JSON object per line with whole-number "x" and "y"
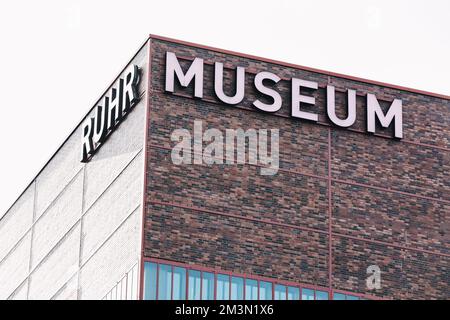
{"x": 57, "y": 57}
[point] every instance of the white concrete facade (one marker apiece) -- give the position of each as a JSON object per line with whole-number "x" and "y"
{"x": 75, "y": 232}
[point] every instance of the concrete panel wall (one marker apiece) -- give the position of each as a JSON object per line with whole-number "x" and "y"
{"x": 14, "y": 269}
{"x": 74, "y": 211}
{"x": 17, "y": 222}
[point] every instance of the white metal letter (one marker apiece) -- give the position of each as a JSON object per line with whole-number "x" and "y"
{"x": 276, "y": 105}
{"x": 351, "y": 108}
{"x": 298, "y": 98}
{"x": 195, "y": 71}
{"x": 394, "y": 113}
{"x": 240, "y": 84}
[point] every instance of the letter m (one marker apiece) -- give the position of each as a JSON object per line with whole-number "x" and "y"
{"x": 195, "y": 71}
{"x": 394, "y": 113}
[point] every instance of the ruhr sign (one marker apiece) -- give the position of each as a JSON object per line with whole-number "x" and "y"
{"x": 116, "y": 105}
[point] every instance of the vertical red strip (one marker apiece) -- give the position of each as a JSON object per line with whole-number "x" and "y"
{"x": 330, "y": 240}
{"x": 171, "y": 284}
{"x": 144, "y": 188}
{"x": 229, "y": 287}
{"x": 215, "y": 285}
{"x": 157, "y": 281}
{"x": 201, "y": 285}
{"x": 187, "y": 283}
{"x": 259, "y": 285}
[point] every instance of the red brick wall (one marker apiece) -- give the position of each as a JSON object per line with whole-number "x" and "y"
{"x": 389, "y": 204}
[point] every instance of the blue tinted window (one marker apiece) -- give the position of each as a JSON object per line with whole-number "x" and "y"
{"x": 265, "y": 290}
{"x": 293, "y": 293}
{"x": 307, "y": 294}
{"x": 321, "y": 295}
{"x": 179, "y": 283}
{"x": 237, "y": 288}
{"x": 165, "y": 282}
{"x": 194, "y": 285}
{"x": 280, "y": 292}
{"x": 208, "y": 286}
{"x": 251, "y": 289}
{"x": 350, "y": 297}
{"x": 338, "y": 296}
{"x": 150, "y": 281}
{"x": 223, "y": 287}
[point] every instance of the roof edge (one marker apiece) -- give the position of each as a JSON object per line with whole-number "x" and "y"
{"x": 296, "y": 66}
{"x": 75, "y": 128}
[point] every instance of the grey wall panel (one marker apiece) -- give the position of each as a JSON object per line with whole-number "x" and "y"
{"x": 16, "y": 222}
{"x": 118, "y": 201}
{"x": 57, "y": 220}
{"x": 58, "y": 173}
{"x": 110, "y": 160}
{"x": 69, "y": 291}
{"x": 58, "y": 267}
{"x": 14, "y": 268}
{"x": 116, "y": 256}
{"x": 21, "y": 292}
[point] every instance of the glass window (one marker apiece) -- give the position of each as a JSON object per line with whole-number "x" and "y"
{"x": 150, "y": 281}
{"x": 338, "y": 296}
{"x": 307, "y": 294}
{"x": 251, "y": 289}
{"x": 223, "y": 287}
{"x": 350, "y": 297}
{"x": 179, "y": 283}
{"x": 165, "y": 282}
{"x": 293, "y": 293}
{"x": 194, "y": 285}
{"x": 237, "y": 288}
{"x": 321, "y": 295}
{"x": 265, "y": 290}
{"x": 208, "y": 286}
{"x": 280, "y": 292}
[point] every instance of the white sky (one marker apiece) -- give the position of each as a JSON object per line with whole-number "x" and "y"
{"x": 57, "y": 57}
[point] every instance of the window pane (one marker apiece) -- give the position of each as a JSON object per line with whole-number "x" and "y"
{"x": 321, "y": 295}
{"x": 164, "y": 282}
{"x": 307, "y": 294}
{"x": 350, "y": 297}
{"x": 179, "y": 283}
{"x": 265, "y": 290}
{"x": 280, "y": 292}
{"x": 223, "y": 287}
{"x": 237, "y": 288}
{"x": 251, "y": 289}
{"x": 149, "y": 281}
{"x": 293, "y": 293}
{"x": 194, "y": 285}
{"x": 338, "y": 296}
{"x": 208, "y": 286}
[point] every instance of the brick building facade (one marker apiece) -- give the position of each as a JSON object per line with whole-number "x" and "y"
{"x": 342, "y": 200}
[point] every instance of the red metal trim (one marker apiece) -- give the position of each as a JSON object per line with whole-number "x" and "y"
{"x": 145, "y": 166}
{"x": 330, "y": 210}
{"x": 171, "y": 284}
{"x": 215, "y": 285}
{"x": 229, "y": 287}
{"x": 201, "y": 285}
{"x": 157, "y": 281}
{"x": 187, "y": 283}
{"x": 296, "y": 66}
{"x": 258, "y": 290}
